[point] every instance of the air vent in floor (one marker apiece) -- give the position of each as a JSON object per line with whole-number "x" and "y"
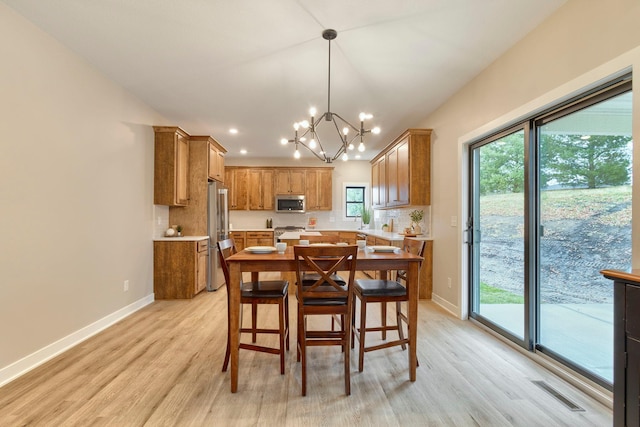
{"x": 566, "y": 402}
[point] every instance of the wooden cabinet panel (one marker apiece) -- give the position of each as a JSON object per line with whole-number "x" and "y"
{"x": 405, "y": 179}
{"x": 319, "y": 184}
{"x": 261, "y": 189}
{"x": 378, "y": 183}
{"x": 179, "y": 269}
{"x": 216, "y": 161}
{"x": 236, "y": 180}
{"x": 259, "y": 238}
{"x": 171, "y": 166}
{"x": 290, "y": 181}
{"x": 238, "y": 238}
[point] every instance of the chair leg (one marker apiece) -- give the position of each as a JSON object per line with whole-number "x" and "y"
{"x": 399, "y": 323}
{"x": 353, "y": 322}
{"x": 227, "y": 353}
{"x": 347, "y": 356}
{"x": 383, "y": 319}
{"x": 254, "y": 321}
{"x": 282, "y": 334}
{"x": 286, "y": 319}
{"x": 302, "y": 352}
{"x": 363, "y": 326}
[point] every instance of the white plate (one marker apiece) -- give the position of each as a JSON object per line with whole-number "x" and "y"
{"x": 383, "y": 248}
{"x": 321, "y": 244}
{"x": 260, "y": 249}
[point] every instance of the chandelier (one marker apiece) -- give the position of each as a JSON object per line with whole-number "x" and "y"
{"x": 306, "y": 134}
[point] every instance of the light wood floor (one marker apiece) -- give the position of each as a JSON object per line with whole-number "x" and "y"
{"x": 161, "y": 366}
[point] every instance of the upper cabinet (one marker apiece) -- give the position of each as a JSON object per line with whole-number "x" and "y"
{"x": 255, "y": 188}
{"x": 319, "y": 184}
{"x": 378, "y": 184}
{"x": 236, "y": 180}
{"x": 290, "y": 181}
{"x": 261, "y": 195}
{"x": 401, "y": 173}
{"x": 215, "y": 157}
{"x": 171, "y": 166}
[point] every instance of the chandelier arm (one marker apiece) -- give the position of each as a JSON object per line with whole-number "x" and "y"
{"x": 346, "y": 122}
{"x": 339, "y": 153}
{"x": 312, "y": 151}
{"x": 343, "y": 138}
{"x": 317, "y": 138}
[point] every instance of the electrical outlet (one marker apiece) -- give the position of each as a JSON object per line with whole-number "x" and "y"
{"x": 159, "y": 220}
{"x": 126, "y": 286}
{"x": 454, "y": 221}
{"x": 332, "y": 219}
{"x": 449, "y": 282}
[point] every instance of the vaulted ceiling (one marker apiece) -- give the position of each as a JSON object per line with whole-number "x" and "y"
{"x": 258, "y": 65}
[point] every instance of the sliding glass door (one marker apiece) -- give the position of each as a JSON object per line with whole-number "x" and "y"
{"x": 498, "y": 232}
{"x": 550, "y": 206}
{"x": 585, "y": 226}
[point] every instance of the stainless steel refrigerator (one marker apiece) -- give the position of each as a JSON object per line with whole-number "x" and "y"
{"x": 218, "y": 229}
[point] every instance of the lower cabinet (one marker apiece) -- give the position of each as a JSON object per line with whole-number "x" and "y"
{"x": 239, "y": 239}
{"x": 259, "y": 238}
{"x": 179, "y": 268}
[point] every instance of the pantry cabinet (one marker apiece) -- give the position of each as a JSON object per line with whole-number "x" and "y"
{"x": 319, "y": 183}
{"x": 261, "y": 195}
{"x": 236, "y": 180}
{"x": 401, "y": 173}
{"x": 171, "y": 166}
{"x": 179, "y": 268}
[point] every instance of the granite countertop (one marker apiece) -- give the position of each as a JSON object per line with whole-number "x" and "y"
{"x": 180, "y": 239}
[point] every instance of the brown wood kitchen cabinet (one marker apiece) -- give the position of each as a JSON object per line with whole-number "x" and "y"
{"x": 261, "y": 195}
{"x": 403, "y": 178}
{"x": 237, "y": 180}
{"x": 215, "y": 157}
{"x": 290, "y": 181}
{"x": 259, "y": 238}
{"x": 171, "y": 166}
{"x": 179, "y": 268}
{"x": 319, "y": 185}
{"x": 378, "y": 183}
{"x": 239, "y": 239}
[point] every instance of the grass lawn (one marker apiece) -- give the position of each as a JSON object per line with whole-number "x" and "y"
{"x": 492, "y": 295}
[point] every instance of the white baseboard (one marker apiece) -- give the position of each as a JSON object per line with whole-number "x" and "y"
{"x": 454, "y": 310}
{"x": 27, "y": 363}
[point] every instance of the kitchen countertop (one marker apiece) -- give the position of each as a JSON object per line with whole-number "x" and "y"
{"x": 392, "y": 236}
{"x": 180, "y": 239}
{"x": 295, "y": 235}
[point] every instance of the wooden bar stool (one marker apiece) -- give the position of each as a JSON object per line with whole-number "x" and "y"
{"x": 325, "y": 297}
{"x": 383, "y": 291}
{"x": 255, "y": 293}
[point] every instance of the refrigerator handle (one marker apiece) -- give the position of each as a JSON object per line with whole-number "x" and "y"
{"x": 224, "y": 213}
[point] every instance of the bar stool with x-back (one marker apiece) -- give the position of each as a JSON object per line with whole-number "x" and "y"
{"x": 383, "y": 291}
{"x": 325, "y": 297}
{"x": 256, "y": 293}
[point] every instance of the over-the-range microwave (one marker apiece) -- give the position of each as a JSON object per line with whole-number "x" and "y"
{"x": 290, "y": 203}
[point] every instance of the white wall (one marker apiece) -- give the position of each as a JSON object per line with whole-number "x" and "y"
{"x": 583, "y": 42}
{"x": 76, "y": 194}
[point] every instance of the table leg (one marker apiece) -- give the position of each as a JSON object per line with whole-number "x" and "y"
{"x": 235, "y": 276}
{"x": 412, "y": 290}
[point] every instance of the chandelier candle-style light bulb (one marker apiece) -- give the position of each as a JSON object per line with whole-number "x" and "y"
{"x": 310, "y": 126}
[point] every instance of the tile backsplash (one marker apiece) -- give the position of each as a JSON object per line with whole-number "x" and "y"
{"x": 330, "y": 219}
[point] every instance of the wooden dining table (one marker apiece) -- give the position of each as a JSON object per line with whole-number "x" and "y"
{"x": 367, "y": 259}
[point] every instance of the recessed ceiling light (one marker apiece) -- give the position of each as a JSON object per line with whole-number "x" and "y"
{"x": 243, "y": 151}
{"x": 233, "y": 131}
{"x": 357, "y": 156}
